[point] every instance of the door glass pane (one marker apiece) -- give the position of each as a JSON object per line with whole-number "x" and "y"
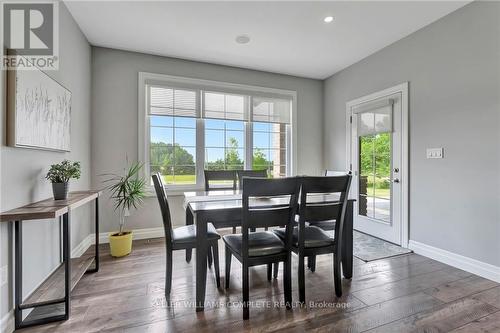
{"x": 382, "y": 209}
{"x": 374, "y": 176}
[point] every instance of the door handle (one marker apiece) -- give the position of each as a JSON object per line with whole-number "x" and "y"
{"x": 395, "y": 180}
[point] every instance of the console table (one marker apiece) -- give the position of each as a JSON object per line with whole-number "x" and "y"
{"x": 51, "y": 301}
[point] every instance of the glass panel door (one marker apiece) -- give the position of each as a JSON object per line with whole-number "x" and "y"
{"x": 374, "y": 192}
{"x": 376, "y": 150}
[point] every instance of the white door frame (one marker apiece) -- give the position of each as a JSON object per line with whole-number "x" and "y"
{"x": 404, "y": 174}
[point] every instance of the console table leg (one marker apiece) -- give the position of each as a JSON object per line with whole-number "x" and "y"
{"x": 61, "y": 255}
{"x": 67, "y": 265}
{"x": 97, "y": 234}
{"x": 96, "y": 241}
{"x": 18, "y": 272}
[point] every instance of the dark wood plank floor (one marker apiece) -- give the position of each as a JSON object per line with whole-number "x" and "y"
{"x": 408, "y": 293}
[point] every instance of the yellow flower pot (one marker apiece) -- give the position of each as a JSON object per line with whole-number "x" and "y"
{"x": 121, "y": 245}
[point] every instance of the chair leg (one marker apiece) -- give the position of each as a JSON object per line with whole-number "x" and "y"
{"x": 276, "y": 268}
{"x": 337, "y": 275}
{"x": 269, "y": 272}
{"x": 228, "y": 266}
{"x": 168, "y": 275}
{"x": 287, "y": 282}
{"x": 209, "y": 258}
{"x": 215, "y": 250}
{"x": 246, "y": 310}
{"x": 302, "y": 284}
{"x": 311, "y": 263}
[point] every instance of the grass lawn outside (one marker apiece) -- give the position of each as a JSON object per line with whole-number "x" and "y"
{"x": 380, "y": 192}
{"x": 179, "y": 179}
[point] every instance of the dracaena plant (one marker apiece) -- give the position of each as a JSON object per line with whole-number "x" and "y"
{"x": 127, "y": 190}
{"x": 64, "y": 171}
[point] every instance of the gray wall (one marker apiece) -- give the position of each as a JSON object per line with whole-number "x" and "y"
{"x": 23, "y": 170}
{"x": 114, "y": 118}
{"x": 453, "y": 67}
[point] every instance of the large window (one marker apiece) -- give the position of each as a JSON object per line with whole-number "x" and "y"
{"x": 270, "y": 142}
{"x": 190, "y": 128}
{"x": 224, "y": 144}
{"x": 225, "y": 116}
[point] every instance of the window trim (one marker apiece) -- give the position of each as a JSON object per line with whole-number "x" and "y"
{"x": 146, "y": 78}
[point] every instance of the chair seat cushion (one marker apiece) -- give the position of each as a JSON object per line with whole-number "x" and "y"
{"x": 314, "y": 237}
{"x": 187, "y": 234}
{"x": 325, "y": 225}
{"x": 261, "y": 243}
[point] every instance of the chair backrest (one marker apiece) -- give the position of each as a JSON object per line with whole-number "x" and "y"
{"x": 269, "y": 203}
{"x": 161, "y": 194}
{"x": 251, "y": 174}
{"x": 229, "y": 176}
{"x": 321, "y": 199}
{"x": 330, "y": 173}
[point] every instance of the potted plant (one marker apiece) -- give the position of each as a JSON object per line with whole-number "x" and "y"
{"x": 60, "y": 174}
{"x": 128, "y": 191}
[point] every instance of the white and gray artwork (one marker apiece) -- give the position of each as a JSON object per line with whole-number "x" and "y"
{"x": 42, "y": 112}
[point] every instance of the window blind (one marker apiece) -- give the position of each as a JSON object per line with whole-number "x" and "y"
{"x": 218, "y": 105}
{"x": 183, "y": 102}
{"x": 164, "y": 101}
{"x": 271, "y": 110}
{"x": 374, "y": 118}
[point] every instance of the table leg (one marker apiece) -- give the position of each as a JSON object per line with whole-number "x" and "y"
{"x": 18, "y": 272}
{"x": 189, "y": 221}
{"x": 96, "y": 243}
{"x": 201, "y": 260}
{"x": 67, "y": 265}
{"x": 96, "y": 235}
{"x": 347, "y": 242}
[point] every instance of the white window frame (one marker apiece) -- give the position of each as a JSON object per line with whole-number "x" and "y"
{"x": 146, "y": 79}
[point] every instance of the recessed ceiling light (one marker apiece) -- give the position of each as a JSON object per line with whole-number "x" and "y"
{"x": 242, "y": 39}
{"x": 328, "y": 19}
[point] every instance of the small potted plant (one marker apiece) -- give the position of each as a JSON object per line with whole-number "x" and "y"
{"x": 128, "y": 191}
{"x": 60, "y": 174}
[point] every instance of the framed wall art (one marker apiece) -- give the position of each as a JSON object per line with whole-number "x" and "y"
{"x": 38, "y": 111}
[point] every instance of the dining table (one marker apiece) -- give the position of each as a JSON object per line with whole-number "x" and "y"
{"x": 223, "y": 208}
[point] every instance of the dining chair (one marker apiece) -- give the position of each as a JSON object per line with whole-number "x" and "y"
{"x": 251, "y": 174}
{"x": 227, "y": 176}
{"x": 265, "y": 203}
{"x": 309, "y": 240}
{"x": 182, "y": 238}
{"x": 327, "y": 225}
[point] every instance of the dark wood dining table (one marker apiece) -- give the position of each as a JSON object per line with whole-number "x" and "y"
{"x": 223, "y": 208}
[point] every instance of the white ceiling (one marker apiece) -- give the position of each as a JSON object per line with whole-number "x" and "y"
{"x": 286, "y": 37}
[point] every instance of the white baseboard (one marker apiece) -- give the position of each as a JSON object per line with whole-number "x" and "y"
{"x": 104, "y": 239}
{"x": 82, "y": 247}
{"x": 470, "y": 265}
{"x": 7, "y": 323}
{"x": 137, "y": 234}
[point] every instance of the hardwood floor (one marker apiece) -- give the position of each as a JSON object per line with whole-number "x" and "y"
{"x": 401, "y": 294}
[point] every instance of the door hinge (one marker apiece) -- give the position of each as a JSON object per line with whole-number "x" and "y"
{"x": 350, "y": 119}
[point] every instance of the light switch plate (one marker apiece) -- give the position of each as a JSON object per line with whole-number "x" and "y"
{"x": 3, "y": 275}
{"x": 435, "y": 152}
